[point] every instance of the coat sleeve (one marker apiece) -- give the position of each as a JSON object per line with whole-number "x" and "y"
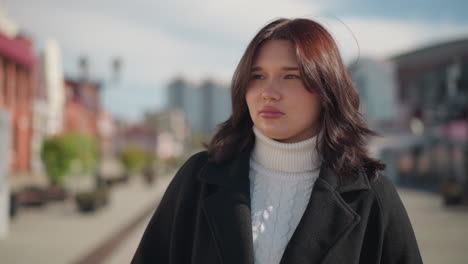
{"x": 399, "y": 241}
{"x": 155, "y": 244}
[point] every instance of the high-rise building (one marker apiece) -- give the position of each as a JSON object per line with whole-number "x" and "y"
{"x": 375, "y": 81}
{"x": 204, "y": 104}
{"x": 176, "y": 92}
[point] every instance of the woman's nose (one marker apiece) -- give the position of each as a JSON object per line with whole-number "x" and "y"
{"x": 270, "y": 91}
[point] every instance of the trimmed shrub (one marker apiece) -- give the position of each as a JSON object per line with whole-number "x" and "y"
{"x": 133, "y": 159}
{"x": 59, "y": 152}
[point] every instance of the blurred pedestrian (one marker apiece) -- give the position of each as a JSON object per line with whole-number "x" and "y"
{"x": 149, "y": 173}
{"x": 287, "y": 177}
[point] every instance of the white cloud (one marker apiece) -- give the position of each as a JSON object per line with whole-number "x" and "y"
{"x": 150, "y": 50}
{"x": 240, "y": 18}
{"x": 159, "y": 39}
{"x": 149, "y": 53}
{"x": 383, "y": 38}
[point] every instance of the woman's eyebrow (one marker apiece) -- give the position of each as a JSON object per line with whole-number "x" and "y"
{"x": 290, "y": 68}
{"x": 285, "y": 68}
{"x": 256, "y": 68}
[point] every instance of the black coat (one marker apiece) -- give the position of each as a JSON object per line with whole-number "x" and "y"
{"x": 204, "y": 217}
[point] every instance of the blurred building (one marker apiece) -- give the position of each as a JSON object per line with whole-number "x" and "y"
{"x": 376, "y": 83}
{"x": 204, "y": 104}
{"x": 7, "y": 26}
{"x": 49, "y": 100}
{"x": 84, "y": 114}
{"x": 173, "y": 131}
{"x": 54, "y": 85}
{"x": 432, "y": 101}
{"x": 433, "y": 84}
{"x": 17, "y": 75}
{"x": 177, "y": 91}
{"x": 106, "y": 132}
{"x": 4, "y": 169}
{"x": 82, "y": 107}
{"x": 139, "y": 136}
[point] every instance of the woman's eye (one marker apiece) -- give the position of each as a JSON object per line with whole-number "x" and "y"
{"x": 292, "y": 76}
{"x": 257, "y": 77}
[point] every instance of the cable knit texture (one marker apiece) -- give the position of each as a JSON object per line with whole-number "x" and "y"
{"x": 282, "y": 176}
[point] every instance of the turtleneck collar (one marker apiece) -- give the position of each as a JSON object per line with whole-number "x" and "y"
{"x": 285, "y": 157}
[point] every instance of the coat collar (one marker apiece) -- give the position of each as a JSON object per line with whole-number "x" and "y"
{"x": 234, "y": 175}
{"x": 326, "y": 219}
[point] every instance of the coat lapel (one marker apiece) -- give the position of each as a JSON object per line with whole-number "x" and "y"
{"x": 326, "y": 220}
{"x": 227, "y": 209}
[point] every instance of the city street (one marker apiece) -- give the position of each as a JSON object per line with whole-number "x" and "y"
{"x": 58, "y": 233}
{"x": 442, "y": 232}
{"x": 102, "y": 101}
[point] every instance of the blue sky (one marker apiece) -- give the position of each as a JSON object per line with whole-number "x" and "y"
{"x": 429, "y": 11}
{"x": 159, "y": 40}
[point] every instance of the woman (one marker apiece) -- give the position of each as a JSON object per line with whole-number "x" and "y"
{"x": 286, "y": 178}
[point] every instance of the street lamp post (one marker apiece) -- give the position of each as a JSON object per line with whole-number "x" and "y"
{"x": 116, "y": 70}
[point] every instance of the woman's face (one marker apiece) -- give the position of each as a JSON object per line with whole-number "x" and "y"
{"x": 279, "y": 104}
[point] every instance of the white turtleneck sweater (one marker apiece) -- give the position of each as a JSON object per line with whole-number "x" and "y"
{"x": 281, "y": 179}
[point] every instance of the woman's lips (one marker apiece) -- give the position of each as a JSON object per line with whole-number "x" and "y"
{"x": 270, "y": 112}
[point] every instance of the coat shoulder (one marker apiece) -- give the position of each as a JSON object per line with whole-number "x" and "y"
{"x": 384, "y": 190}
{"x": 197, "y": 158}
{"x": 193, "y": 164}
{"x": 389, "y": 201}
{"x": 188, "y": 172}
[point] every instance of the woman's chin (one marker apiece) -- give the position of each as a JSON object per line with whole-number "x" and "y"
{"x": 274, "y": 133}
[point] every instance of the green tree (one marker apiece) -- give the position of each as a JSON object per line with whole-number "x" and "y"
{"x": 56, "y": 159}
{"x": 59, "y": 152}
{"x": 133, "y": 158}
{"x": 82, "y": 148}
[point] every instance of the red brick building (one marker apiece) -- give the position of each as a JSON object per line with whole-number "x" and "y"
{"x": 17, "y": 74}
{"x": 82, "y": 107}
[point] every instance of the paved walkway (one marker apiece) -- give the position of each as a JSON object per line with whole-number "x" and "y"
{"x": 123, "y": 253}
{"x": 442, "y": 232}
{"x": 58, "y": 233}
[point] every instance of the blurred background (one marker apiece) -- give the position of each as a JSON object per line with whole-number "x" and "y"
{"x": 101, "y": 101}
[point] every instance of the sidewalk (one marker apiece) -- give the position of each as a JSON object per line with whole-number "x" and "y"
{"x": 123, "y": 253}
{"x": 58, "y": 233}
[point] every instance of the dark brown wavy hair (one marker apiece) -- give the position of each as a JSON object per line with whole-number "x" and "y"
{"x": 344, "y": 131}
